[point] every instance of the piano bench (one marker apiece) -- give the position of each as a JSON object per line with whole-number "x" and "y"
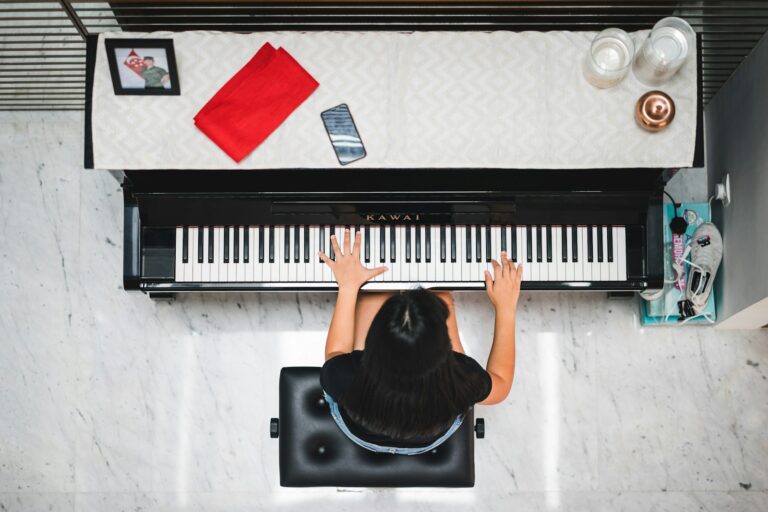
{"x": 315, "y": 453}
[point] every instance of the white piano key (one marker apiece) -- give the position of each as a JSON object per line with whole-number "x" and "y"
{"x": 621, "y": 253}
{"x": 250, "y": 266}
{"x": 595, "y": 263}
{"x": 570, "y": 265}
{"x": 552, "y": 259}
{"x": 441, "y": 266}
{"x": 179, "y": 267}
{"x": 535, "y": 254}
{"x": 522, "y": 245}
{"x": 613, "y": 268}
{"x": 473, "y": 265}
{"x": 405, "y": 268}
{"x": 231, "y": 267}
{"x": 205, "y": 268}
{"x": 292, "y": 266}
{"x": 190, "y": 266}
{"x": 282, "y": 267}
{"x": 214, "y": 267}
{"x": 557, "y": 267}
{"x": 301, "y": 267}
{"x": 584, "y": 270}
{"x": 375, "y": 257}
{"x": 434, "y": 256}
{"x": 240, "y": 265}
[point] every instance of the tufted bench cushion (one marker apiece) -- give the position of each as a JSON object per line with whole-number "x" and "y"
{"x": 314, "y": 452}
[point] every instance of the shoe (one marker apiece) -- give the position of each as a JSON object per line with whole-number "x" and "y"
{"x": 706, "y": 254}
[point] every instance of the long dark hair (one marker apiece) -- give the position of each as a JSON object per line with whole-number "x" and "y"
{"x": 409, "y": 384}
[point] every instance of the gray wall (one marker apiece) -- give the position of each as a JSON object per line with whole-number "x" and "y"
{"x": 736, "y": 121}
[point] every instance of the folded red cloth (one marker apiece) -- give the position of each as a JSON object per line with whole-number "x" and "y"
{"x": 254, "y": 102}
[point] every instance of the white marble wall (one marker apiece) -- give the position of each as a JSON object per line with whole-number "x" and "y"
{"x": 111, "y": 402}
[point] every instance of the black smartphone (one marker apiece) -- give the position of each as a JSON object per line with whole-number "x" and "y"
{"x": 343, "y": 134}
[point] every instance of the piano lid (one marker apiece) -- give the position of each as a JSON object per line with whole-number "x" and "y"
{"x": 420, "y": 100}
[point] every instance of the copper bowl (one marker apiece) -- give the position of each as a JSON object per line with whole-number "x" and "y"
{"x": 654, "y": 111}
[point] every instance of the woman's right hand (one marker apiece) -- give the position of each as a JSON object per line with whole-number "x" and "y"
{"x": 503, "y": 287}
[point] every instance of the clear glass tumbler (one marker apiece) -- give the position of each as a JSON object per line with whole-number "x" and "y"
{"x": 665, "y": 50}
{"x": 608, "y": 59}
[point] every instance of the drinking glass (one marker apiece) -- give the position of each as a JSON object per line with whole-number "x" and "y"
{"x": 664, "y": 51}
{"x": 608, "y": 59}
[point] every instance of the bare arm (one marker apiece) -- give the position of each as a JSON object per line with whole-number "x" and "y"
{"x": 350, "y": 274}
{"x": 503, "y": 291}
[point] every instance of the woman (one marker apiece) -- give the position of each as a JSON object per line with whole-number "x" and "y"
{"x": 396, "y": 377}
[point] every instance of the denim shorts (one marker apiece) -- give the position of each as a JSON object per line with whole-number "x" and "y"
{"x": 394, "y": 450}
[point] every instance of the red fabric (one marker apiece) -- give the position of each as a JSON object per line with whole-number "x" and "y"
{"x": 254, "y": 102}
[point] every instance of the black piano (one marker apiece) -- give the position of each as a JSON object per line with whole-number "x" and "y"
{"x": 572, "y": 229}
{"x": 437, "y": 228}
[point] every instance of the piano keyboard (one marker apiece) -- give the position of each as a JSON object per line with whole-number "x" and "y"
{"x": 429, "y": 256}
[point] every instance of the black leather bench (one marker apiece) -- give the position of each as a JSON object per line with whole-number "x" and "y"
{"x": 314, "y": 452}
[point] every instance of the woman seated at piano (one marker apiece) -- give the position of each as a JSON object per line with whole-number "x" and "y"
{"x": 395, "y": 375}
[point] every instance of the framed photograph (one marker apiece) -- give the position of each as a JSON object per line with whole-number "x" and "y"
{"x": 143, "y": 66}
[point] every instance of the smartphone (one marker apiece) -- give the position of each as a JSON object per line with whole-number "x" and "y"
{"x": 343, "y": 134}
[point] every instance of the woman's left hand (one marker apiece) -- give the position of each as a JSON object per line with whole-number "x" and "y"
{"x": 347, "y": 268}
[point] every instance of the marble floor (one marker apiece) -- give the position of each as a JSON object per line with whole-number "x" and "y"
{"x": 111, "y": 402}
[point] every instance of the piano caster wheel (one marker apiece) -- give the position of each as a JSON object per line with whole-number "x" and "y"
{"x": 162, "y": 296}
{"x": 274, "y": 428}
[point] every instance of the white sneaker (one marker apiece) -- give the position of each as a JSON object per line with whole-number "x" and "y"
{"x": 706, "y": 253}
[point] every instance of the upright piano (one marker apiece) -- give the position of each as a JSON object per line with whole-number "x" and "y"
{"x": 236, "y": 230}
{"x": 197, "y": 231}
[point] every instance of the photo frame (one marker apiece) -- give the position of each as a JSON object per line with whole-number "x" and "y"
{"x": 143, "y": 67}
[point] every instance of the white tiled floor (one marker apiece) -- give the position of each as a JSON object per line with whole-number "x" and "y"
{"x": 111, "y": 402}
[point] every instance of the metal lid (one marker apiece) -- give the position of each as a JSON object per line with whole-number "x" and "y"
{"x": 654, "y": 111}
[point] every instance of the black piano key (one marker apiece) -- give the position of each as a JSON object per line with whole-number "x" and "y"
{"x": 296, "y": 244}
{"x": 382, "y": 245}
{"x": 538, "y": 244}
{"x": 200, "y": 233}
{"x": 287, "y": 244}
{"x": 469, "y": 244}
{"x": 185, "y": 245}
{"x": 261, "y": 244}
{"x": 306, "y": 244}
{"x": 407, "y": 244}
{"x": 236, "y": 244}
{"x": 488, "y": 244}
{"x": 478, "y": 244}
{"x": 246, "y": 244}
{"x": 367, "y": 243}
{"x": 271, "y": 244}
{"x": 210, "y": 244}
{"x": 513, "y": 245}
{"x": 610, "y": 244}
{"x": 332, "y": 232}
{"x": 503, "y": 238}
{"x": 574, "y": 244}
{"x": 392, "y": 244}
{"x": 321, "y": 240}
{"x": 428, "y": 244}
{"x": 564, "y": 243}
{"x": 443, "y": 243}
{"x": 600, "y": 244}
{"x": 454, "y": 247}
{"x": 529, "y": 244}
{"x": 590, "y": 256}
{"x": 226, "y": 244}
{"x": 418, "y": 244}
{"x": 549, "y": 243}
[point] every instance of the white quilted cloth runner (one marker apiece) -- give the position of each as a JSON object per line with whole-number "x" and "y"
{"x": 424, "y": 99}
